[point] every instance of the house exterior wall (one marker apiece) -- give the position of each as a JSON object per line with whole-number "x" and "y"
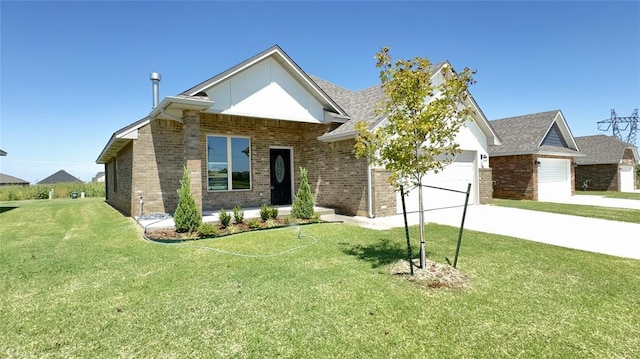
{"x": 158, "y": 162}
{"x": 628, "y": 159}
{"x": 118, "y": 173}
{"x": 336, "y": 177}
{"x": 514, "y": 177}
{"x": 384, "y": 195}
{"x": 486, "y": 186}
{"x": 603, "y": 177}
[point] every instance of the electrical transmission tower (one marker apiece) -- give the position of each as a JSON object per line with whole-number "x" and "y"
{"x": 621, "y": 124}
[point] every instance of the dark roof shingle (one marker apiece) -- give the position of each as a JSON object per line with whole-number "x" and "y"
{"x": 60, "y": 177}
{"x": 601, "y": 149}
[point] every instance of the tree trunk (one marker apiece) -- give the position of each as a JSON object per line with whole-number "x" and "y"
{"x": 423, "y": 256}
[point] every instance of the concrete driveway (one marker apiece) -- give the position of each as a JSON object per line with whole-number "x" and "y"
{"x": 594, "y": 235}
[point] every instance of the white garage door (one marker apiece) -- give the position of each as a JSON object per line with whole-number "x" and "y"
{"x": 626, "y": 179}
{"x": 554, "y": 178}
{"x": 456, "y": 176}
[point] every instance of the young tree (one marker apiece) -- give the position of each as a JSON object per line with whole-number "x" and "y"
{"x": 422, "y": 119}
{"x": 187, "y": 217}
{"x": 302, "y": 207}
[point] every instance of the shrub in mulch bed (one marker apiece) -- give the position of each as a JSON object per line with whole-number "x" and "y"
{"x": 169, "y": 235}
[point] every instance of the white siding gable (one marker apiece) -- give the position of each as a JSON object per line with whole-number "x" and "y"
{"x": 266, "y": 90}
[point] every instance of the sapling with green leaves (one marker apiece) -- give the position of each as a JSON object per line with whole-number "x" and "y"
{"x": 421, "y": 120}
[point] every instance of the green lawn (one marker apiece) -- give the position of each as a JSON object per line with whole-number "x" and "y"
{"x": 622, "y": 195}
{"x": 613, "y": 214}
{"x": 77, "y": 280}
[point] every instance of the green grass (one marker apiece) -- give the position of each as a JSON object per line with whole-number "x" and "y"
{"x": 77, "y": 280}
{"x": 622, "y": 195}
{"x": 613, "y": 214}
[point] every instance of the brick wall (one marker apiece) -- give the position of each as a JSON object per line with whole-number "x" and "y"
{"x": 486, "y": 185}
{"x": 600, "y": 177}
{"x": 151, "y": 166}
{"x": 336, "y": 178}
{"x": 384, "y": 199}
{"x": 118, "y": 173}
{"x": 514, "y": 177}
{"x": 158, "y": 163}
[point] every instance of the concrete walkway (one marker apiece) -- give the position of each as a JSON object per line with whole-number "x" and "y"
{"x": 589, "y": 234}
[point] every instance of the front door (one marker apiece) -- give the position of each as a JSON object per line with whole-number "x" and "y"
{"x": 280, "y": 165}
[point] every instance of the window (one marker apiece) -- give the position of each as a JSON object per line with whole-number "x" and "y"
{"x": 228, "y": 155}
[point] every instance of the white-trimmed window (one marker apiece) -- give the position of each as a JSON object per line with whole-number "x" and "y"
{"x": 228, "y": 155}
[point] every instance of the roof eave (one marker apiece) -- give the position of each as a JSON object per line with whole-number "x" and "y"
{"x": 328, "y": 137}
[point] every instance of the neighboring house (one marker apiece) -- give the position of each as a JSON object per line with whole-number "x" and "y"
{"x": 536, "y": 159}
{"x": 244, "y": 133}
{"x": 99, "y": 177}
{"x": 609, "y": 164}
{"x": 60, "y": 177}
{"x": 6, "y": 180}
{"x": 2, "y": 153}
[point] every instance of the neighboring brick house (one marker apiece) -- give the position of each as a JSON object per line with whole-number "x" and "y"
{"x": 2, "y": 153}
{"x": 536, "y": 159}
{"x": 244, "y": 134}
{"x": 609, "y": 164}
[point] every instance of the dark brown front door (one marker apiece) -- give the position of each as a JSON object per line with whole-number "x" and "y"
{"x": 280, "y": 160}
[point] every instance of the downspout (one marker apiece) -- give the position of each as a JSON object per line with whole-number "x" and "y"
{"x": 369, "y": 194}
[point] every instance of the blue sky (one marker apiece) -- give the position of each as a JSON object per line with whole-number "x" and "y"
{"x": 72, "y": 73}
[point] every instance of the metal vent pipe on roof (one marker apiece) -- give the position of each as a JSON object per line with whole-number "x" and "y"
{"x": 155, "y": 79}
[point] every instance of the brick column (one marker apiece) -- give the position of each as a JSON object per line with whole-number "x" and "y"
{"x": 486, "y": 186}
{"x": 192, "y": 155}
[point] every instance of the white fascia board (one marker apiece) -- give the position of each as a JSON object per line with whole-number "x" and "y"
{"x": 183, "y": 103}
{"x": 335, "y": 138}
{"x": 334, "y": 117}
{"x": 548, "y": 153}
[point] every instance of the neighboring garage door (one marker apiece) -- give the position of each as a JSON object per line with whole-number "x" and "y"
{"x": 554, "y": 178}
{"x": 626, "y": 179}
{"x": 456, "y": 175}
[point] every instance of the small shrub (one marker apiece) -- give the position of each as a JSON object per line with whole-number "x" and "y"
{"x": 254, "y": 223}
{"x": 225, "y": 218}
{"x": 265, "y": 212}
{"x": 238, "y": 215}
{"x": 302, "y": 207}
{"x": 273, "y": 213}
{"x": 187, "y": 217}
{"x": 315, "y": 218}
{"x": 208, "y": 230}
{"x": 40, "y": 192}
{"x": 287, "y": 220}
{"x": 271, "y": 223}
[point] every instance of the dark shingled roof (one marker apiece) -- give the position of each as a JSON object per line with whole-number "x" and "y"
{"x": 360, "y": 105}
{"x": 524, "y": 134}
{"x": 10, "y": 180}
{"x": 601, "y": 149}
{"x": 59, "y": 177}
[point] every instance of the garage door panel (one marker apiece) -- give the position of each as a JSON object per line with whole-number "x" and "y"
{"x": 626, "y": 179}
{"x": 554, "y": 178}
{"x": 455, "y": 176}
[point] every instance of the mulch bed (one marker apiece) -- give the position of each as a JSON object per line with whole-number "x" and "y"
{"x": 170, "y": 234}
{"x": 433, "y": 275}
